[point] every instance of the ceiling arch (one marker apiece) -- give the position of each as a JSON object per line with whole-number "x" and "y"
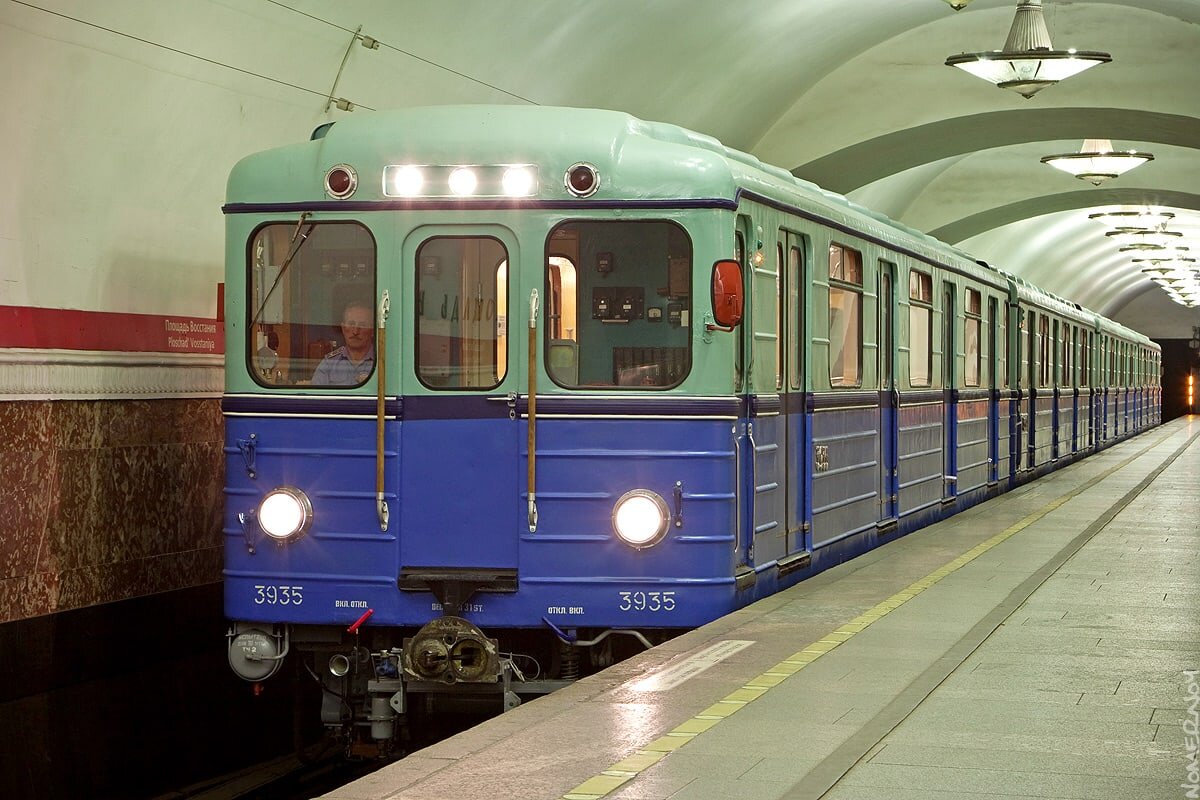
{"x": 852, "y": 95}
{"x": 997, "y": 217}
{"x": 859, "y": 164}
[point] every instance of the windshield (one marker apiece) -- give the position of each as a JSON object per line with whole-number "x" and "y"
{"x": 618, "y": 307}
{"x": 311, "y": 305}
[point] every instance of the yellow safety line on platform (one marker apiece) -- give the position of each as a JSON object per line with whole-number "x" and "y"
{"x": 629, "y": 768}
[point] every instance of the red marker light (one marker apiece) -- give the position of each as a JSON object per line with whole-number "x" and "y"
{"x": 341, "y": 181}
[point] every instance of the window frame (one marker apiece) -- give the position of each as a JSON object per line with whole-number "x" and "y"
{"x": 417, "y": 302}
{"x": 855, "y": 290}
{"x": 926, "y": 305}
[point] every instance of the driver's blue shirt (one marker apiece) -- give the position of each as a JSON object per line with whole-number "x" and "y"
{"x": 336, "y": 369}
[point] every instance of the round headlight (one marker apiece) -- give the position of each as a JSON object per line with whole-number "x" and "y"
{"x": 463, "y": 181}
{"x": 640, "y": 518}
{"x": 284, "y": 513}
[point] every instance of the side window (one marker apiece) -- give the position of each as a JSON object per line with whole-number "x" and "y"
{"x": 461, "y": 312}
{"x": 1068, "y": 346}
{"x": 1045, "y": 375}
{"x": 920, "y": 328}
{"x": 795, "y": 274}
{"x": 619, "y": 304}
{"x": 845, "y": 316}
{"x": 1085, "y": 342}
{"x": 1005, "y": 348}
{"x": 974, "y": 324}
{"x": 311, "y": 304}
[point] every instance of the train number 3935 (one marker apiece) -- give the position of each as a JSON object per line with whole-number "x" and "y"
{"x": 278, "y": 595}
{"x": 646, "y": 601}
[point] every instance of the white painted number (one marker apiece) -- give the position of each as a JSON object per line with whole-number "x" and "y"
{"x": 278, "y": 595}
{"x": 646, "y": 601}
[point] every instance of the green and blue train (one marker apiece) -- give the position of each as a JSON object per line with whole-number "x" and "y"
{"x": 597, "y": 380}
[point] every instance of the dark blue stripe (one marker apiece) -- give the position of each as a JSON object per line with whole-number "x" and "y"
{"x": 665, "y": 405}
{"x": 482, "y": 204}
{"x": 325, "y": 406}
{"x": 840, "y": 399}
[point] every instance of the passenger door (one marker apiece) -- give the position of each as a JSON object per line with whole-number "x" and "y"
{"x": 888, "y": 397}
{"x": 949, "y": 395}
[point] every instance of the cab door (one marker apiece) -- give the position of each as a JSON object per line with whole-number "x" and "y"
{"x": 766, "y": 423}
{"x": 796, "y": 280}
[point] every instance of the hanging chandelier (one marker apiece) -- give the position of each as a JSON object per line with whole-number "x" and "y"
{"x": 1097, "y": 162}
{"x": 1133, "y": 219}
{"x": 1028, "y": 63}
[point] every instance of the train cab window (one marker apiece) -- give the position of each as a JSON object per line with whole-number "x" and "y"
{"x": 920, "y": 328}
{"x": 845, "y": 316}
{"x": 619, "y": 305}
{"x": 974, "y": 324}
{"x": 311, "y": 304}
{"x": 461, "y": 310}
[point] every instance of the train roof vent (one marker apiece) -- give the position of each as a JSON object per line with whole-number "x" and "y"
{"x": 320, "y": 131}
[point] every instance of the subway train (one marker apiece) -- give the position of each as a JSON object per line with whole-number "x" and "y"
{"x": 514, "y": 391}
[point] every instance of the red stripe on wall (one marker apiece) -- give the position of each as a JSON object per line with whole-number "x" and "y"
{"x": 67, "y": 329}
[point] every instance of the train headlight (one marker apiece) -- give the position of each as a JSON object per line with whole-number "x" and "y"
{"x": 463, "y": 181}
{"x": 406, "y": 181}
{"x": 285, "y": 513}
{"x": 519, "y": 182}
{"x": 640, "y": 518}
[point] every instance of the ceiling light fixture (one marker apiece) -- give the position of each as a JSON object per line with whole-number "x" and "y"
{"x": 1097, "y": 162}
{"x": 1028, "y": 63}
{"x": 958, "y": 5}
{"x": 1133, "y": 219}
{"x": 1132, "y": 236}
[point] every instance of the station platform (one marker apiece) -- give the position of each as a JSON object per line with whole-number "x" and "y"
{"x": 1043, "y": 644}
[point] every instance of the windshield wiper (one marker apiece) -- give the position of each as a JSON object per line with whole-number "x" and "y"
{"x": 299, "y": 237}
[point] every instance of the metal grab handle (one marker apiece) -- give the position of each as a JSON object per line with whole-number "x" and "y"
{"x": 737, "y": 486}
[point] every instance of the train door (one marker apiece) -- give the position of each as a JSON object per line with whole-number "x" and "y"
{"x": 459, "y": 438}
{"x": 1054, "y": 388}
{"x": 796, "y": 281}
{"x": 993, "y": 384}
{"x": 888, "y": 397}
{"x": 766, "y": 422}
{"x": 949, "y": 397}
{"x": 1029, "y": 400}
{"x": 744, "y": 473}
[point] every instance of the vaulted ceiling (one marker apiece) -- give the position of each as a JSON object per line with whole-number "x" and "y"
{"x": 851, "y": 94}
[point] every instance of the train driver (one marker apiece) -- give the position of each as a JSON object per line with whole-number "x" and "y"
{"x": 350, "y": 364}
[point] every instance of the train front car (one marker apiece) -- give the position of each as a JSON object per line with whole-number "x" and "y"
{"x": 480, "y": 428}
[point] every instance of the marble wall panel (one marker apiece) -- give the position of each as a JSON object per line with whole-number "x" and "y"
{"x": 107, "y": 500}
